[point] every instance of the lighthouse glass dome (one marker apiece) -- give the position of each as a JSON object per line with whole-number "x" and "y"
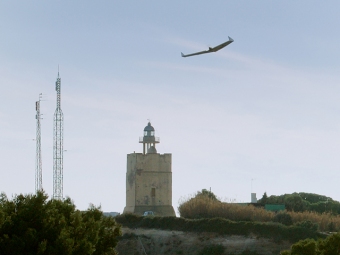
{"x": 149, "y": 130}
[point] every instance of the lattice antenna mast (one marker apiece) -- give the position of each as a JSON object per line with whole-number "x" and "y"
{"x": 58, "y": 146}
{"x": 38, "y": 162}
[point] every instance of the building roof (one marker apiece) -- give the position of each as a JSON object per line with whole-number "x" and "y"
{"x": 149, "y": 127}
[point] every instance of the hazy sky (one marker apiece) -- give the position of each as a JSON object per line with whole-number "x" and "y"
{"x": 265, "y": 108}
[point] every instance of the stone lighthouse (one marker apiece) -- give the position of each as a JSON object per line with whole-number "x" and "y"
{"x": 149, "y": 179}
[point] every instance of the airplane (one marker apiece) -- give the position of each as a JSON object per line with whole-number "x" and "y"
{"x": 210, "y": 49}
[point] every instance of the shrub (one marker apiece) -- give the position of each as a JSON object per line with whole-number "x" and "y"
{"x": 283, "y": 218}
{"x": 308, "y": 224}
{"x": 304, "y": 247}
{"x": 323, "y": 220}
{"x": 203, "y": 207}
{"x": 128, "y": 219}
{"x": 328, "y": 246}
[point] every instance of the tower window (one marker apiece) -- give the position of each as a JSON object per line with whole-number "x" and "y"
{"x": 153, "y": 192}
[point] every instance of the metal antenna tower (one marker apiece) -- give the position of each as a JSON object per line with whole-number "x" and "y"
{"x": 58, "y": 146}
{"x": 38, "y": 163}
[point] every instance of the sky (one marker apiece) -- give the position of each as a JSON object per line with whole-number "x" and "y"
{"x": 261, "y": 115}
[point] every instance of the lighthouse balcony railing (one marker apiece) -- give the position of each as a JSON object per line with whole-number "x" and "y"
{"x": 149, "y": 139}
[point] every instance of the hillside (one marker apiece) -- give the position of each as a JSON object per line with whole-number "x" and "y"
{"x": 156, "y": 242}
{"x": 211, "y": 227}
{"x": 171, "y": 235}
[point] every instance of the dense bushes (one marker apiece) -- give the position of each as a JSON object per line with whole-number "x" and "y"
{"x": 200, "y": 207}
{"x": 308, "y": 224}
{"x": 204, "y": 207}
{"x": 324, "y": 221}
{"x": 219, "y": 225}
{"x": 283, "y": 218}
{"x": 32, "y": 224}
{"x": 328, "y": 246}
{"x": 301, "y": 202}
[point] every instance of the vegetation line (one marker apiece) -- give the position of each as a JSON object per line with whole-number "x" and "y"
{"x": 301, "y": 208}
{"x": 274, "y": 231}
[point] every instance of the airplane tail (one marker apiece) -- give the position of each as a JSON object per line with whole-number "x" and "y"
{"x": 230, "y": 39}
{"x": 182, "y": 55}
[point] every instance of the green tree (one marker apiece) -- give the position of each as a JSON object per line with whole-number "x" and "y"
{"x": 207, "y": 193}
{"x": 304, "y": 247}
{"x": 328, "y": 246}
{"x": 264, "y": 199}
{"x": 302, "y": 201}
{"x": 32, "y": 224}
{"x": 294, "y": 203}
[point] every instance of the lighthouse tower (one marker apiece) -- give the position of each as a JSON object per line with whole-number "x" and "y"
{"x": 149, "y": 179}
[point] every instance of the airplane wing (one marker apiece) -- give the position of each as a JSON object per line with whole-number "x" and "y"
{"x": 218, "y": 47}
{"x": 196, "y": 53}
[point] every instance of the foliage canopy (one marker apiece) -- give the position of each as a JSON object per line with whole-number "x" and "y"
{"x": 206, "y": 193}
{"x": 300, "y": 202}
{"x": 32, "y": 224}
{"x": 328, "y": 246}
{"x": 202, "y": 206}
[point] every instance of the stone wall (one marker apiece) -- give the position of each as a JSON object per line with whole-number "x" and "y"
{"x": 149, "y": 184}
